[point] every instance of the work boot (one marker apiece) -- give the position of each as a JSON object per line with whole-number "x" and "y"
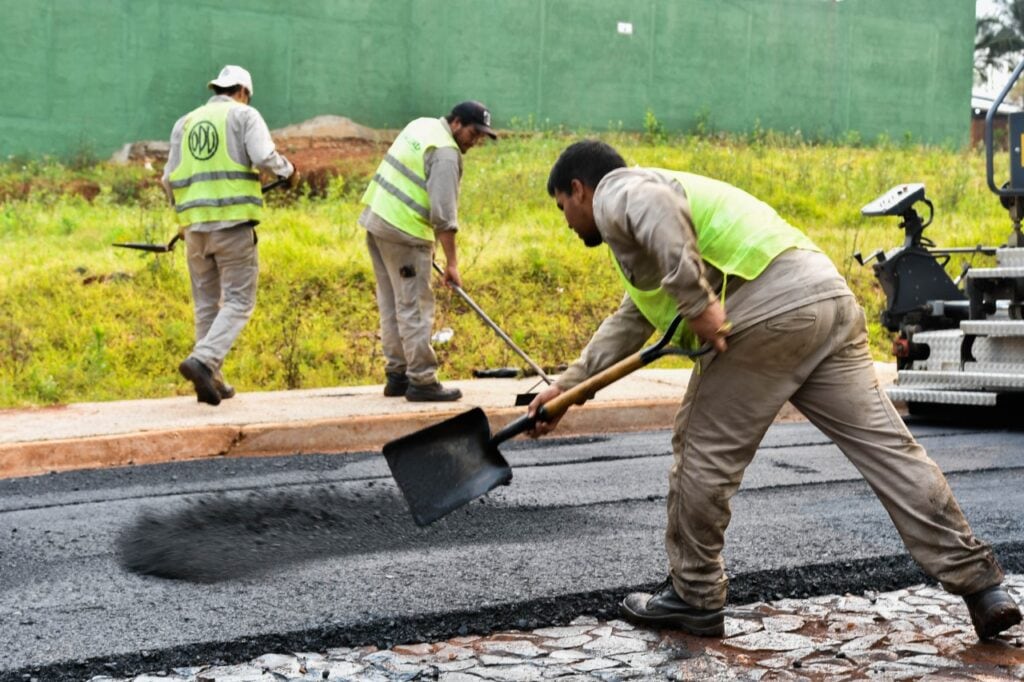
{"x": 992, "y": 611}
{"x": 225, "y": 389}
{"x": 434, "y": 392}
{"x": 397, "y": 384}
{"x": 665, "y": 609}
{"x": 202, "y": 378}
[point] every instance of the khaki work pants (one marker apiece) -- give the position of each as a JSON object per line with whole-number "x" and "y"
{"x": 817, "y": 358}
{"x": 406, "y": 305}
{"x": 224, "y": 268}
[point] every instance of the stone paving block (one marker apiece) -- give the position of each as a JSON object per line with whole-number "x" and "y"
{"x": 895, "y": 670}
{"x": 560, "y": 632}
{"x": 771, "y": 641}
{"x": 341, "y": 669}
{"x": 235, "y": 673}
{"x": 861, "y": 643}
{"x": 567, "y": 655}
{"x": 916, "y": 648}
{"x": 609, "y": 646}
{"x": 699, "y": 669}
{"x": 493, "y": 659}
{"x": 567, "y": 642}
{"x": 621, "y": 625}
{"x": 784, "y": 623}
{"x": 511, "y": 673}
{"x": 584, "y": 620}
{"x": 455, "y": 666}
{"x": 520, "y": 648}
{"x": 929, "y": 661}
{"x": 741, "y": 626}
{"x": 643, "y": 659}
{"x": 593, "y": 664}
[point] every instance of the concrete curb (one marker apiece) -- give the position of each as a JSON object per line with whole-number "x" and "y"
{"x": 330, "y": 421}
{"x": 323, "y": 436}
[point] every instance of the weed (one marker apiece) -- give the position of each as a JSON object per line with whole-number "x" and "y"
{"x": 654, "y": 131}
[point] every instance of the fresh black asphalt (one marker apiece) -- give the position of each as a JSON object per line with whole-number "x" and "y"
{"x": 125, "y": 570}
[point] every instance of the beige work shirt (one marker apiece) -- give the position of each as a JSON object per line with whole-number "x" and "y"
{"x": 644, "y": 218}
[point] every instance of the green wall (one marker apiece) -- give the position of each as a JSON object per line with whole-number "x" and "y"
{"x": 81, "y": 75}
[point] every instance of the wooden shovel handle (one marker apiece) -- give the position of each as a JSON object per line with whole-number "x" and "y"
{"x": 557, "y": 406}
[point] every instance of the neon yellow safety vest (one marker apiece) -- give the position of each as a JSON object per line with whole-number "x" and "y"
{"x": 209, "y": 186}
{"x": 398, "y": 191}
{"x": 736, "y": 233}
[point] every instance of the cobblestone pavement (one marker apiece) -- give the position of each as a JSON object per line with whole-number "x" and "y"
{"x": 921, "y": 633}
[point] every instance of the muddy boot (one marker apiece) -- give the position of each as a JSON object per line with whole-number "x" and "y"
{"x": 202, "y": 378}
{"x": 396, "y": 385}
{"x": 434, "y": 392}
{"x": 664, "y": 609}
{"x": 992, "y": 611}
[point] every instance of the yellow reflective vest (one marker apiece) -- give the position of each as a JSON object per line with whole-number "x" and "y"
{"x": 398, "y": 191}
{"x": 737, "y": 233}
{"x": 208, "y": 185}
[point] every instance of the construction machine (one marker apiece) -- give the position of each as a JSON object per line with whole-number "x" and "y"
{"x": 959, "y": 343}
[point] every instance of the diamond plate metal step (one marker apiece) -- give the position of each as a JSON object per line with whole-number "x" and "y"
{"x": 993, "y": 327}
{"x": 1010, "y": 257}
{"x": 958, "y": 380}
{"x": 995, "y": 273}
{"x": 909, "y": 395}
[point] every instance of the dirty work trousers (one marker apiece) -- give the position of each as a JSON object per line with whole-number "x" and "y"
{"x": 406, "y": 305}
{"x": 224, "y": 269}
{"x": 817, "y": 358}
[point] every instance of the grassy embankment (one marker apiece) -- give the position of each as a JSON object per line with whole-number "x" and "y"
{"x": 80, "y": 320}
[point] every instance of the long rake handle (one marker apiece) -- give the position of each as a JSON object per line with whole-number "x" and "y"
{"x": 497, "y": 330}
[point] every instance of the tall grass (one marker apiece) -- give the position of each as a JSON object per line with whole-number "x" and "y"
{"x": 80, "y": 320}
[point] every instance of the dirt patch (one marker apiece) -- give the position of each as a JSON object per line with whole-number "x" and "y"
{"x": 322, "y": 148}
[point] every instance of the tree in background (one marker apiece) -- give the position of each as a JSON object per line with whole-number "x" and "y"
{"x": 999, "y": 38}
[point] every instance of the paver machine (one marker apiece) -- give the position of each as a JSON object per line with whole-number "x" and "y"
{"x": 959, "y": 342}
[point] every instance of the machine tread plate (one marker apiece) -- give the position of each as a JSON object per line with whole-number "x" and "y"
{"x": 993, "y": 327}
{"x": 996, "y": 273}
{"x": 921, "y": 395}
{"x": 958, "y": 380}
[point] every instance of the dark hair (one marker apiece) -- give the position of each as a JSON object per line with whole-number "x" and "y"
{"x": 226, "y": 91}
{"x": 587, "y": 161}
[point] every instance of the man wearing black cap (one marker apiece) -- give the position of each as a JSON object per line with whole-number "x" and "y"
{"x": 411, "y": 201}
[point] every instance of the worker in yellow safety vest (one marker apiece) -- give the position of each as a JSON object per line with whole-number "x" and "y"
{"x": 212, "y": 181}
{"x": 692, "y": 246}
{"x": 411, "y": 201}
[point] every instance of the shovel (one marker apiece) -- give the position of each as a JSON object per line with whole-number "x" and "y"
{"x": 169, "y": 246}
{"x": 444, "y": 466}
{"x": 522, "y": 398}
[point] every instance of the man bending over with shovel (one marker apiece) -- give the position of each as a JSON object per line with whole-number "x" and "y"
{"x": 215, "y": 190}
{"x": 681, "y": 242}
{"x": 411, "y": 200}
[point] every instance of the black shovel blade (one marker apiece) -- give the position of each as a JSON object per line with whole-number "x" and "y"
{"x": 143, "y": 246}
{"x": 444, "y": 466}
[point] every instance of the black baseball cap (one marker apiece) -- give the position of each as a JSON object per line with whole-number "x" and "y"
{"x": 476, "y": 113}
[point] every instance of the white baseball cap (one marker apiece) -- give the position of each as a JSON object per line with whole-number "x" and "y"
{"x": 231, "y": 76}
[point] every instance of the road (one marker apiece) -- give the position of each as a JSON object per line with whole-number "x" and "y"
{"x": 244, "y": 556}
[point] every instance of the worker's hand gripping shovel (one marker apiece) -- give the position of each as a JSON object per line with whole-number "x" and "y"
{"x": 444, "y": 466}
{"x": 169, "y": 246}
{"x": 522, "y": 398}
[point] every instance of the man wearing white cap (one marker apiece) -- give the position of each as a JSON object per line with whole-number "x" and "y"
{"x": 411, "y": 201}
{"x": 212, "y": 182}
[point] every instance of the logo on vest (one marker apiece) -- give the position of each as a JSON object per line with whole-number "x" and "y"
{"x": 203, "y": 141}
